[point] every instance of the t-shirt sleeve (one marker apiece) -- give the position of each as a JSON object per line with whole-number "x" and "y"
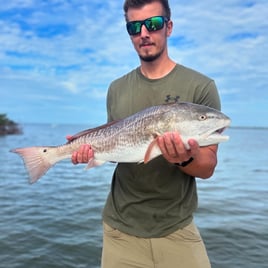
{"x": 208, "y": 95}
{"x": 108, "y": 104}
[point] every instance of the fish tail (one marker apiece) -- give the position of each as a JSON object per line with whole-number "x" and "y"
{"x": 35, "y": 160}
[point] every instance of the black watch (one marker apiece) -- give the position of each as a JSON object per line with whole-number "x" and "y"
{"x": 185, "y": 163}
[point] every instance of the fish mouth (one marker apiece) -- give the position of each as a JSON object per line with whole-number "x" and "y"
{"x": 217, "y": 133}
{"x": 220, "y": 131}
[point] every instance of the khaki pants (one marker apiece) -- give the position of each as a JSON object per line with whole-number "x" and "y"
{"x": 181, "y": 249}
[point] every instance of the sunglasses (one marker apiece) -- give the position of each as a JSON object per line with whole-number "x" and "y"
{"x": 152, "y": 24}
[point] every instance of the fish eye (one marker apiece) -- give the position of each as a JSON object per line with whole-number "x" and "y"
{"x": 45, "y": 150}
{"x": 202, "y": 117}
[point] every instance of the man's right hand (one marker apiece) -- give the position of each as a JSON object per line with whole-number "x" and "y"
{"x": 83, "y": 154}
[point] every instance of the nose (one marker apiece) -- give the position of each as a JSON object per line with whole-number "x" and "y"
{"x": 144, "y": 31}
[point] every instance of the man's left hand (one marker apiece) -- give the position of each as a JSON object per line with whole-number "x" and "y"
{"x": 174, "y": 150}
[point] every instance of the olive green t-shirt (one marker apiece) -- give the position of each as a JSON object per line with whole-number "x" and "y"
{"x": 157, "y": 198}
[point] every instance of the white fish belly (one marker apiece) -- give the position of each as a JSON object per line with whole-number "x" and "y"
{"x": 128, "y": 154}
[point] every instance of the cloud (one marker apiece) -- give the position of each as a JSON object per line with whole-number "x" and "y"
{"x": 68, "y": 52}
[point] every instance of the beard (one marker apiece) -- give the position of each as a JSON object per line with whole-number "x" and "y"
{"x": 150, "y": 58}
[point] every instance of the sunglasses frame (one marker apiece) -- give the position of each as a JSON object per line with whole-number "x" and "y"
{"x": 133, "y": 25}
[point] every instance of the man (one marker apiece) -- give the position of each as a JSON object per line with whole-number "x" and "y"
{"x": 148, "y": 216}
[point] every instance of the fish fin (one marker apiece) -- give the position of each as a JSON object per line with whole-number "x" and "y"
{"x": 90, "y": 130}
{"x": 35, "y": 161}
{"x": 152, "y": 151}
{"x": 94, "y": 163}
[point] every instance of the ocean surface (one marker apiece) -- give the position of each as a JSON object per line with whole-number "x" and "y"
{"x": 57, "y": 221}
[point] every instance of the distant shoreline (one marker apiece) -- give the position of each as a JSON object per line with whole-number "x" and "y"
{"x": 247, "y": 127}
{"x": 8, "y": 127}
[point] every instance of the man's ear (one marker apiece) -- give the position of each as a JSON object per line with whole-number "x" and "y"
{"x": 169, "y": 27}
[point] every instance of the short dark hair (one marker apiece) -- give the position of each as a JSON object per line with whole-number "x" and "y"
{"x": 140, "y": 3}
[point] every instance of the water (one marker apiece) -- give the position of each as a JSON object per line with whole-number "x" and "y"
{"x": 57, "y": 221}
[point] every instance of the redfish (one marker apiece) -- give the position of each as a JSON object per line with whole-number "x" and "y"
{"x": 132, "y": 139}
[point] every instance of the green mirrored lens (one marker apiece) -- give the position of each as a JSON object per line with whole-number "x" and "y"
{"x": 154, "y": 24}
{"x": 137, "y": 27}
{"x": 134, "y": 27}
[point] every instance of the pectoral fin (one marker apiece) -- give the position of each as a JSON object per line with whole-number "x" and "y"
{"x": 94, "y": 163}
{"x": 152, "y": 151}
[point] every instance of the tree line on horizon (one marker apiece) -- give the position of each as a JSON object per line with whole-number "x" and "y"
{"x": 8, "y": 127}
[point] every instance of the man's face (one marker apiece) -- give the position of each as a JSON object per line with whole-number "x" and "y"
{"x": 149, "y": 45}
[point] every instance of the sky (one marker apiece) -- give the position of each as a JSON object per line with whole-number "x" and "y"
{"x": 58, "y": 57}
